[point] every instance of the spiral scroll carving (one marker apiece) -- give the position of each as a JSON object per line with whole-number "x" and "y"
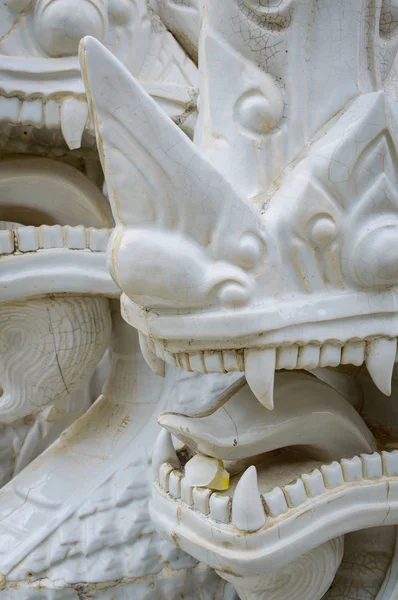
{"x": 307, "y": 578}
{"x": 48, "y": 348}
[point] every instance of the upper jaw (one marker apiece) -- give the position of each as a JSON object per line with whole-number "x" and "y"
{"x": 46, "y": 94}
{"x": 317, "y": 317}
{"x": 347, "y": 329}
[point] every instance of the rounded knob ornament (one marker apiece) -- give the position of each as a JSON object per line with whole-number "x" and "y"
{"x": 376, "y": 258}
{"x": 61, "y": 24}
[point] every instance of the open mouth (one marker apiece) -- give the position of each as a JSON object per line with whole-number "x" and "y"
{"x": 297, "y": 477}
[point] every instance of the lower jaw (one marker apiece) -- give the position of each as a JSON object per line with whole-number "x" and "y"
{"x": 325, "y": 502}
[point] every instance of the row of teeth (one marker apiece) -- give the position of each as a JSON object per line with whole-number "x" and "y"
{"x": 70, "y": 114}
{"x": 45, "y": 237}
{"x": 248, "y": 510}
{"x": 287, "y": 357}
{"x": 259, "y": 366}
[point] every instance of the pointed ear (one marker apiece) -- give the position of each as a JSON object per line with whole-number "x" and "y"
{"x": 156, "y": 176}
{"x": 114, "y": 99}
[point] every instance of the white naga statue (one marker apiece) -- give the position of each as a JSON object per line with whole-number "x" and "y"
{"x": 198, "y": 299}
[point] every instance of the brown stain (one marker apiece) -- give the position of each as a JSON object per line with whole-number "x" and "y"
{"x": 125, "y": 421}
{"x": 385, "y": 438}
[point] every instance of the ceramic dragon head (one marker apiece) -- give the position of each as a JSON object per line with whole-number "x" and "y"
{"x": 266, "y": 244}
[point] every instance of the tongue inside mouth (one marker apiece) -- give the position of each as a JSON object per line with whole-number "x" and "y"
{"x": 308, "y": 415}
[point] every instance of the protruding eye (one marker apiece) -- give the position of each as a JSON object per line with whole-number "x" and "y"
{"x": 322, "y": 230}
{"x": 61, "y": 24}
{"x": 251, "y": 249}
